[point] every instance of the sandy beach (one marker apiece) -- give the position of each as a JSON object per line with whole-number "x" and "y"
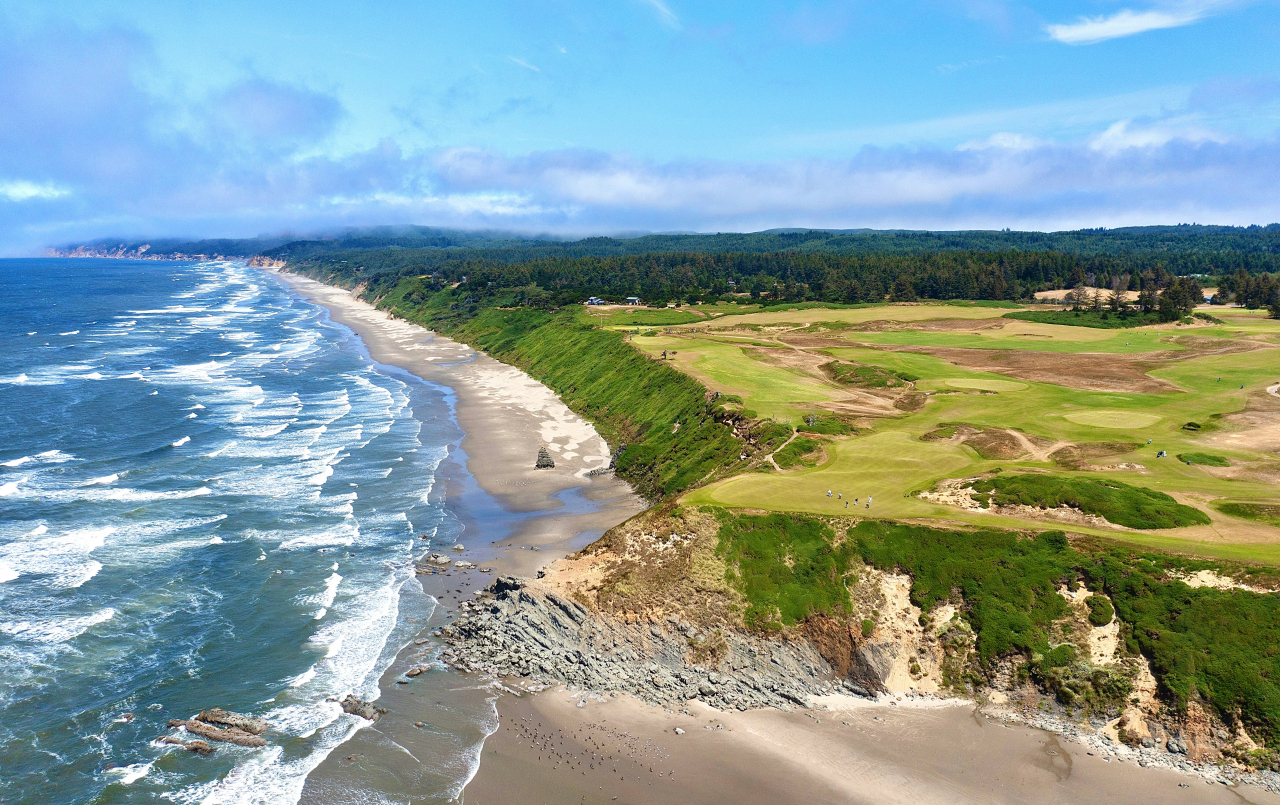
{"x": 549, "y": 750}
{"x": 562, "y": 746}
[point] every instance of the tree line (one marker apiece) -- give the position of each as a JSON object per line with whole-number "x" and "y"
{"x": 773, "y": 277}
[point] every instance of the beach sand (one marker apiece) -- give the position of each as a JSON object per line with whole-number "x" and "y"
{"x": 549, "y": 750}
{"x": 541, "y": 748}
{"x": 505, "y": 416}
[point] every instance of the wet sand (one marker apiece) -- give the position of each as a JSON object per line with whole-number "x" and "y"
{"x": 549, "y": 750}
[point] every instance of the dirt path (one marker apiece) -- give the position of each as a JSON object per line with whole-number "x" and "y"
{"x": 1037, "y": 453}
{"x": 1274, "y": 391}
{"x": 769, "y": 458}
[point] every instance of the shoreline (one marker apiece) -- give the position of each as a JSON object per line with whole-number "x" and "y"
{"x": 489, "y": 478}
{"x": 855, "y": 750}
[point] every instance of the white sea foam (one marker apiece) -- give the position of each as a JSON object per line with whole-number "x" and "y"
{"x": 7, "y": 573}
{"x": 219, "y": 451}
{"x": 128, "y": 775}
{"x": 53, "y": 631}
{"x": 72, "y": 332}
{"x": 216, "y": 541}
{"x": 303, "y": 678}
{"x": 103, "y": 481}
{"x": 19, "y": 379}
{"x": 10, "y": 489}
{"x": 182, "y": 441}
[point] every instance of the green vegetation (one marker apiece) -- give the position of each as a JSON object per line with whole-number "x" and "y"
{"x": 643, "y": 317}
{"x": 1119, "y": 503}
{"x": 825, "y": 425}
{"x": 1268, "y": 513}
{"x": 1208, "y": 459}
{"x": 788, "y": 567}
{"x": 1008, "y": 583}
{"x": 631, "y": 398}
{"x": 864, "y": 376}
{"x": 1216, "y": 645}
{"x": 1101, "y": 612}
{"x": 1102, "y": 320}
{"x": 797, "y": 452}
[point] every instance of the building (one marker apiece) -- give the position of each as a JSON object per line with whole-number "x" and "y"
{"x": 633, "y": 300}
{"x": 595, "y": 300}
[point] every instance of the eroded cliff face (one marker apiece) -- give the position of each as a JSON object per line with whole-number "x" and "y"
{"x": 647, "y": 610}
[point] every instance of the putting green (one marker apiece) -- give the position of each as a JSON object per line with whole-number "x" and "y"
{"x": 1122, "y": 420}
{"x": 986, "y": 385}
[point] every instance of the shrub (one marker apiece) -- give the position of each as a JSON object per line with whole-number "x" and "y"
{"x": 1119, "y": 503}
{"x": 1207, "y": 459}
{"x": 1100, "y": 610}
{"x": 797, "y": 453}
{"x": 787, "y": 566}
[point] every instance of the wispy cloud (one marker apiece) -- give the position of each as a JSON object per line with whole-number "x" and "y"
{"x": 665, "y": 13}
{"x": 526, "y": 65}
{"x": 947, "y": 69}
{"x": 27, "y": 191}
{"x": 1127, "y": 22}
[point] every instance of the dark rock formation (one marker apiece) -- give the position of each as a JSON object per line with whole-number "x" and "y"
{"x": 199, "y": 747}
{"x": 253, "y": 726}
{"x": 544, "y": 460}
{"x": 357, "y": 707}
{"x": 524, "y": 630}
{"x": 232, "y": 736}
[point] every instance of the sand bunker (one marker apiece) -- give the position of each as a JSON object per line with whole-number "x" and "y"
{"x": 1121, "y": 420}
{"x": 986, "y": 385}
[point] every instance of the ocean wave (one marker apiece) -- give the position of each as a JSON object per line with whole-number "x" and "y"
{"x": 53, "y": 631}
{"x": 103, "y": 481}
{"x": 11, "y": 488}
{"x": 181, "y": 441}
{"x": 128, "y": 775}
{"x": 63, "y": 559}
{"x": 47, "y": 457}
{"x": 7, "y": 573}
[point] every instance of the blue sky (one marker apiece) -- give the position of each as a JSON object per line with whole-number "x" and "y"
{"x": 236, "y": 118}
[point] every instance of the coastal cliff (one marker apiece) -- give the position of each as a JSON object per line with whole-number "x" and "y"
{"x": 645, "y": 611}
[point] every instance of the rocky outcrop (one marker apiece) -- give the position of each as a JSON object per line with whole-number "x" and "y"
{"x": 544, "y": 461}
{"x": 220, "y": 725}
{"x": 253, "y": 726}
{"x": 520, "y": 629}
{"x": 232, "y": 736}
{"x": 199, "y": 747}
{"x": 359, "y": 707}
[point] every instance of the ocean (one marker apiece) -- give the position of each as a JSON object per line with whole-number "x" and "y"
{"x": 210, "y": 496}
